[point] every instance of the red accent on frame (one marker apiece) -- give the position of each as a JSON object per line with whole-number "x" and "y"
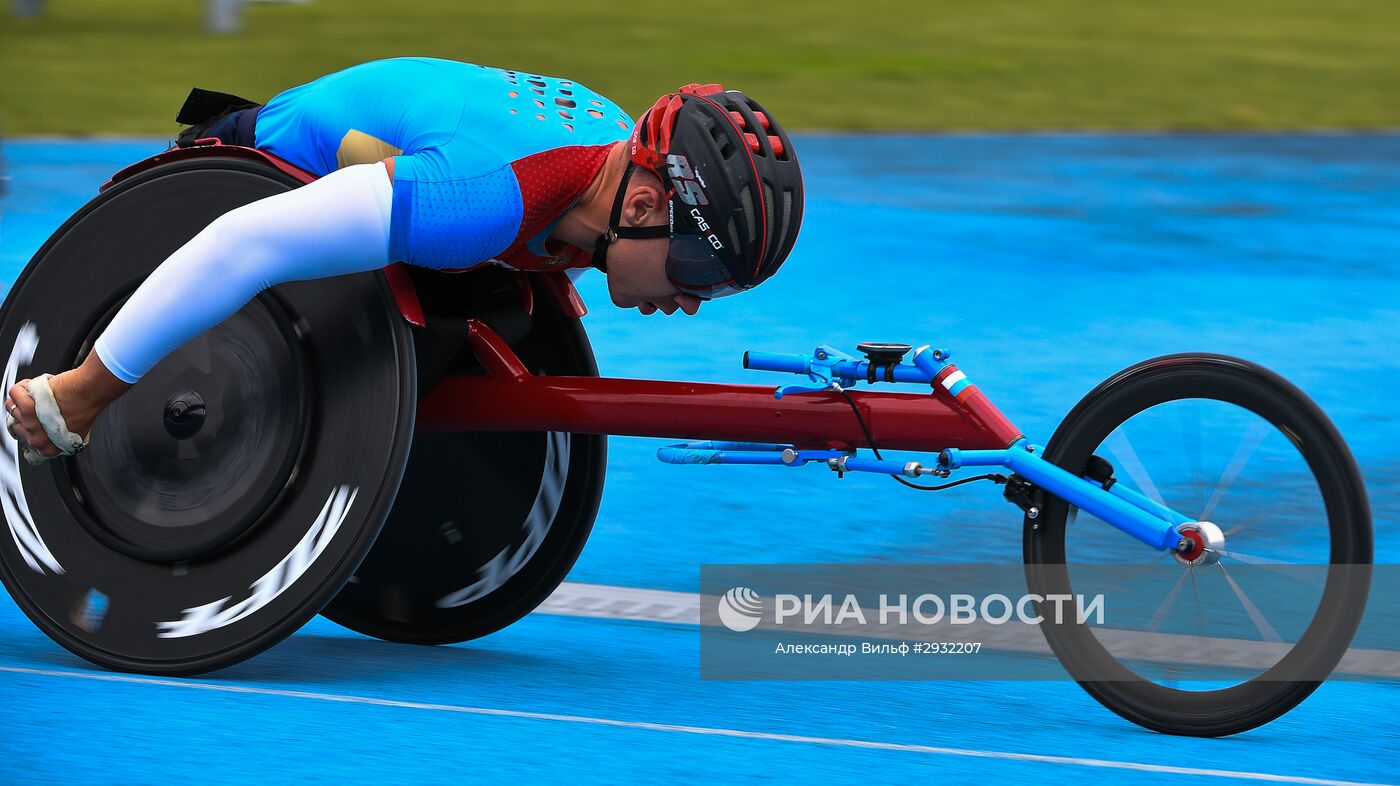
{"x": 494, "y": 353}
{"x": 527, "y": 292}
{"x": 562, "y": 294}
{"x": 405, "y": 294}
{"x": 201, "y": 150}
{"x": 978, "y": 408}
{"x": 991, "y": 418}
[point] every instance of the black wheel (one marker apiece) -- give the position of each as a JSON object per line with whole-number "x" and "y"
{"x": 226, "y": 497}
{"x": 486, "y": 524}
{"x": 1242, "y": 626}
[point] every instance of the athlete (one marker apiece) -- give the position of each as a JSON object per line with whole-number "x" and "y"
{"x": 450, "y": 165}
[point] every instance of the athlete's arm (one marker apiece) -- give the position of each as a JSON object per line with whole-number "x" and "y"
{"x": 336, "y": 225}
{"x": 333, "y": 226}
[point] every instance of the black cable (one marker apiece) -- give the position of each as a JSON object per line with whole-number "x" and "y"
{"x": 870, "y": 439}
{"x": 992, "y": 476}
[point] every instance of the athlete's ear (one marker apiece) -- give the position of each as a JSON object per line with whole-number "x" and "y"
{"x": 645, "y": 204}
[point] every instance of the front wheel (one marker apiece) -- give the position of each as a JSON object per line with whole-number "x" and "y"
{"x": 1232, "y": 637}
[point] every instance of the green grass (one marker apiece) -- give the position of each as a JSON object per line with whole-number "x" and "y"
{"x": 124, "y": 67}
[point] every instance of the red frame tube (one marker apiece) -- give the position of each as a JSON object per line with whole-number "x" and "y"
{"x": 972, "y": 402}
{"x": 690, "y": 410}
{"x": 509, "y": 398}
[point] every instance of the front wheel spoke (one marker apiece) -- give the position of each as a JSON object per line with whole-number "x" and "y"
{"x": 1128, "y": 461}
{"x": 1270, "y": 513}
{"x": 1250, "y": 443}
{"x": 1265, "y": 629}
{"x": 1190, "y": 419}
{"x": 1204, "y": 640}
{"x": 1157, "y": 558}
{"x": 1245, "y": 558}
{"x": 1161, "y": 615}
{"x": 1289, "y": 569}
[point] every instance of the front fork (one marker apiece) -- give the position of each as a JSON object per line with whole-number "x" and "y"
{"x": 1150, "y": 522}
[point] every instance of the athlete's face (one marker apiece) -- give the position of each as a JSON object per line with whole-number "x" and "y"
{"x": 637, "y": 268}
{"x": 637, "y": 278}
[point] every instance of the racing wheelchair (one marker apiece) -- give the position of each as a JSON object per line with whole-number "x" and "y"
{"x": 444, "y": 450}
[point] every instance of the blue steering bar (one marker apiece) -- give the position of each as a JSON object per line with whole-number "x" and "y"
{"x": 828, "y": 366}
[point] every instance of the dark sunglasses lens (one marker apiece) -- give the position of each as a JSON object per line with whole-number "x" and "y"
{"x": 695, "y": 269}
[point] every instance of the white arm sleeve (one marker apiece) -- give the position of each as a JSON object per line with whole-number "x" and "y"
{"x": 333, "y": 226}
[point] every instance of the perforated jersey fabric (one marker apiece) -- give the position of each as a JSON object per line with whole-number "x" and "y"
{"x": 486, "y": 159}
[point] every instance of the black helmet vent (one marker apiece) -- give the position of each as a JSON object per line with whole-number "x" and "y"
{"x": 750, "y": 220}
{"x": 720, "y": 134}
{"x": 733, "y": 230}
{"x": 768, "y": 210}
{"x": 787, "y": 220}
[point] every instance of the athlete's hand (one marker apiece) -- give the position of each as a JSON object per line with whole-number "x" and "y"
{"x": 76, "y": 404}
{"x": 25, "y": 424}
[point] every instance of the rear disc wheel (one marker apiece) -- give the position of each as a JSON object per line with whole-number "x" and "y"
{"x": 223, "y": 500}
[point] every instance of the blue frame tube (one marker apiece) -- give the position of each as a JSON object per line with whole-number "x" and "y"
{"x": 862, "y": 464}
{"x": 1146, "y": 503}
{"x": 722, "y": 453}
{"x": 764, "y": 453}
{"x": 1122, "y": 507}
{"x": 1142, "y": 522}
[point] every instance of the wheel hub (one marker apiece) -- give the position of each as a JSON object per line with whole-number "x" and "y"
{"x": 184, "y": 414}
{"x": 1202, "y": 543}
{"x": 191, "y": 458}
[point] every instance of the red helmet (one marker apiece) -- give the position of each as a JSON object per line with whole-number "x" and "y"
{"x": 733, "y": 184}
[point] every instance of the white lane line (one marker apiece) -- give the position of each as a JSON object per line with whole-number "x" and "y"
{"x": 603, "y": 601}
{"x": 576, "y": 599}
{"x": 679, "y": 729}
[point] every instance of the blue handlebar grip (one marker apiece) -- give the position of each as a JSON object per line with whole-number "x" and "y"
{"x": 775, "y": 361}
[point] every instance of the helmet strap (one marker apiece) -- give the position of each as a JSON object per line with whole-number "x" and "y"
{"x": 614, "y": 231}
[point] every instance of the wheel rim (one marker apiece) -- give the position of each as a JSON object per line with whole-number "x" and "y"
{"x": 1343, "y": 565}
{"x": 1250, "y": 487}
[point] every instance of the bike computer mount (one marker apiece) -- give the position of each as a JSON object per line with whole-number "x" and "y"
{"x": 883, "y": 352}
{"x": 883, "y": 357}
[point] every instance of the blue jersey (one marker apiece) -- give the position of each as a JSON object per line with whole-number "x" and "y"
{"x": 486, "y": 160}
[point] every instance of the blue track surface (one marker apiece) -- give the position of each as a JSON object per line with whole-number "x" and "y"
{"x": 1046, "y": 262}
